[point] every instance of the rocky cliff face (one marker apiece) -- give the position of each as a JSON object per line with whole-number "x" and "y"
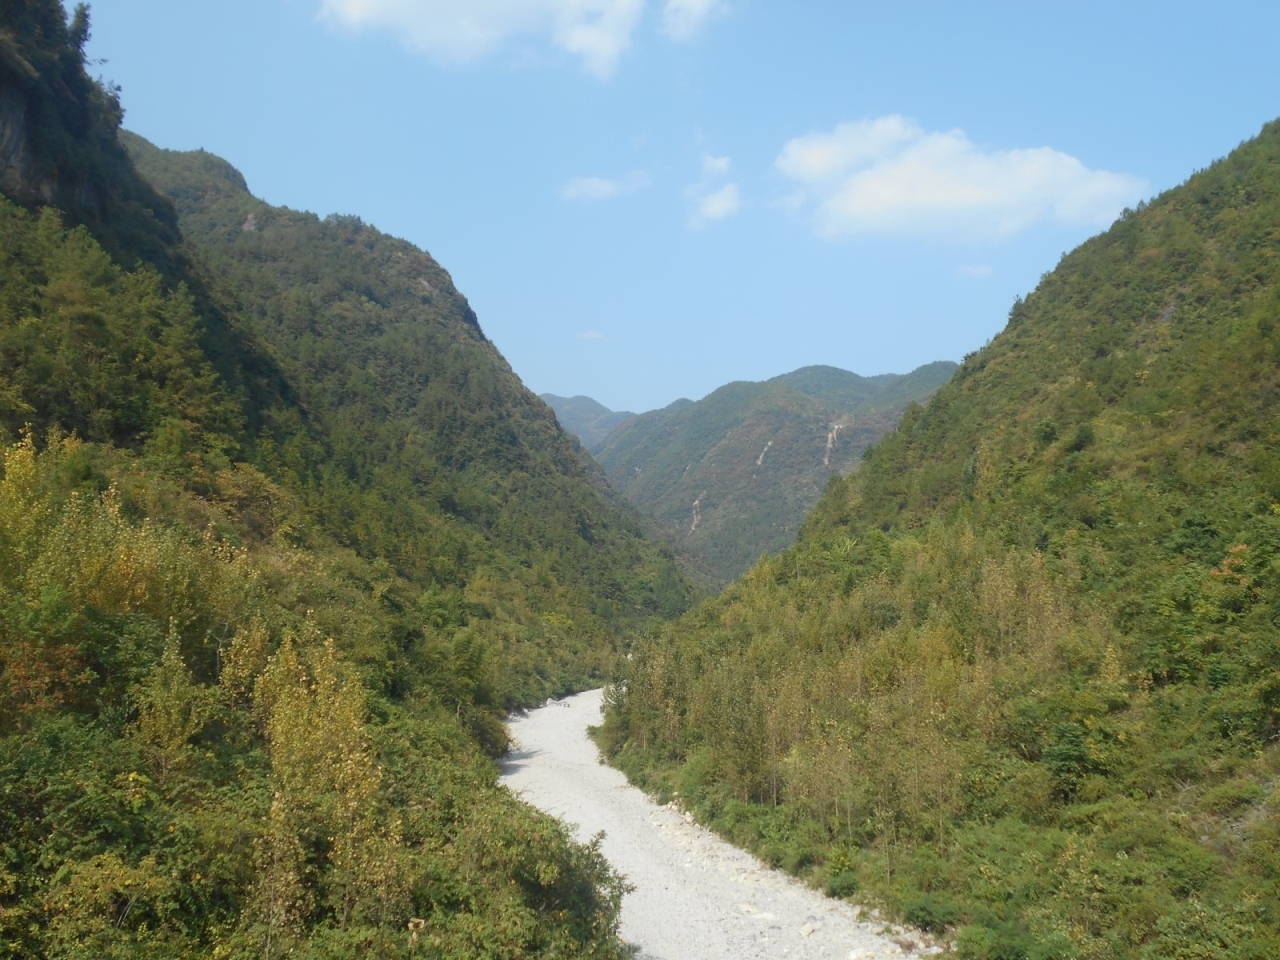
{"x": 18, "y": 177}
{"x": 59, "y": 139}
{"x": 22, "y": 176}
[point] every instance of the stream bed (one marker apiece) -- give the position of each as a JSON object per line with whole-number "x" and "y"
{"x": 696, "y": 897}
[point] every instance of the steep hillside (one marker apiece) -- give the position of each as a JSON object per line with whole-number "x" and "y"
{"x": 585, "y": 418}
{"x": 428, "y": 450}
{"x": 1020, "y": 675}
{"x": 281, "y": 539}
{"x": 732, "y": 476}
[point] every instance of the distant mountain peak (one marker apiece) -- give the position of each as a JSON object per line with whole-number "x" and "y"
{"x": 587, "y": 419}
{"x": 732, "y": 476}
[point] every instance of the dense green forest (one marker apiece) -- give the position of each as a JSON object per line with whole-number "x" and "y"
{"x": 591, "y": 422}
{"x": 281, "y": 539}
{"x": 1019, "y": 679}
{"x": 731, "y": 477}
{"x": 409, "y": 434}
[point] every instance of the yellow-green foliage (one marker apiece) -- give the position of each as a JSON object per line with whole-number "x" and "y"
{"x": 280, "y": 540}
{"x": 191, "y": 766}
{"x": 111, "y": 356}
{"x": 1020, "y": 676}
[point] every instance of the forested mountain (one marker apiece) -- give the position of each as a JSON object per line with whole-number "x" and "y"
{"x": 434, "y": 454}
{"x": 1020, "y": 676}
{"x": 587, "y": 419}
{"x": 281, "y": 538}
{"x": 731, "y": 477}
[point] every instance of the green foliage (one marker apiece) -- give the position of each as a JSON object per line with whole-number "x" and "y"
{"x": 281, "y": 537}
{"x": 843, "y": 884}
{"x": 411, "y": 439}
{"x": 1018, "y": 675}
{"x": 60, "y": 129}
{"x": 731, "y": 477}
{"x": 92, "y": 349}
{"x": 932, "y": 912}
{"x": 190, "y": 765}
{"x": 1008, "y": 942}
{"x": 589, "y": 421}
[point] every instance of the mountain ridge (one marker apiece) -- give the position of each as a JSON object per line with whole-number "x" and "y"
{"x": 1018, "y": 678}
{"x": 730, "y": 477}
{"x": 587, "y": 419}
{"x": 389, "y": 351}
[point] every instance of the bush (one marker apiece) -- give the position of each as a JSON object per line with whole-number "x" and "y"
{"x": 932, "y": 912}
{"x": 798, "y": 858}
{"x": 1008, "y": 942}
{"x": 843, "y": 884}
{"x": 1229, "y": 797}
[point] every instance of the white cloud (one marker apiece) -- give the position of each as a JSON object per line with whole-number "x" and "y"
{"x": 823, "y": 157}
{"x": 717, "y": 205}
{"x": 595, "y": 336}
{"x": 889, "y": 175}
{"x": 711, "y": 203}
{"x": 596, "y": 31}
{"x": 977, "y": 271}
{"x": 683, "y": 19}
{"x": 603, "y": 188}
{"x": 715, "y": 166}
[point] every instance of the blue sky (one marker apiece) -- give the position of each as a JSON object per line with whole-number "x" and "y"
{"x": 646, "y": 199}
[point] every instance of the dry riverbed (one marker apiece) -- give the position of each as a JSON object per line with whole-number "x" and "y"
{"x": 696, "y": 897}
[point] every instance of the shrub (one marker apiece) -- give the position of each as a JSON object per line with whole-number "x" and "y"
{"x": 843, "y": 884}
{"x": 1009, "y": 942}
{"x": 932, "y": 912}
{"x": 797, "y": 859}
{"x": 1230, "y": 796}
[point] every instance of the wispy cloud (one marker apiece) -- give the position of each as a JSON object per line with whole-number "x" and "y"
{"x": 712, "y": 198}
{"x": 604, "y": 188}
{"x": 684, "y": 19}
{"x": 891, "y": 176}
{"x": 715, "y": 166}
{"x": 598, "y": 32}
{"x": 717, "y": 205}
{"x": 593, "y": 336}
{"x": 976, "y": 271}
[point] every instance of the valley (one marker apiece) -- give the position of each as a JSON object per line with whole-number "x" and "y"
{"x": 322, "y": 636}
{"x": 730, "y": 478}
{"x": 1018, "y": 675}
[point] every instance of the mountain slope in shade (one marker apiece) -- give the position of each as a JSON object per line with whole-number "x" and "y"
{"x": 588, "y": 420}
{"x": 732, "y": 476}
{"x": 450, "y": 463}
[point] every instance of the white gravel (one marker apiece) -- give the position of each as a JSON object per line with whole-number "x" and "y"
{"x": 696, "y": 897}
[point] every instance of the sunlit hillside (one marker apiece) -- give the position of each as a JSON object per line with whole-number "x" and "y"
{"x": 282, "y": 538}
{"x": 1019, "y": 679}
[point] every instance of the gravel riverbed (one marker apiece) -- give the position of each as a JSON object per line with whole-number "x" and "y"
{"x": 696, "y": 897}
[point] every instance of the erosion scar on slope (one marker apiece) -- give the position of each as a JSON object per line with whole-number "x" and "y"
{"x": 696, "y": 897}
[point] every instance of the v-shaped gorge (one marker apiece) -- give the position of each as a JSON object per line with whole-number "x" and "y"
{"x": 731, "y": 477}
